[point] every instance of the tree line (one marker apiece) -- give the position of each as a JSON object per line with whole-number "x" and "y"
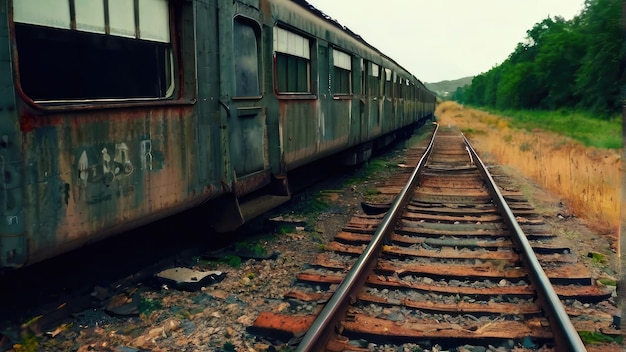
{"x": 574, "y": 64}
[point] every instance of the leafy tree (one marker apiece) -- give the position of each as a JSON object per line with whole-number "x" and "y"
{"x": 477, "y": 95}
{"x": 491, "y": 87}
{"x": 459, "y": 95}
{"x": 556, "y": 64}
{"x": 517, "y": 87}
{"x": 601, "y": 73}
{"x": 561, "y": 64}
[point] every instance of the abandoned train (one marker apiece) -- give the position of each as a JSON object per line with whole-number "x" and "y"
{"x": 115, "y": 113}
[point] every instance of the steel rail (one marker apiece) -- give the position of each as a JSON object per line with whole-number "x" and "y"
{"x": 335, "y": 309}
{"x": 566, "y": 339}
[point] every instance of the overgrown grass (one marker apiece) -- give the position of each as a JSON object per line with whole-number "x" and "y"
{"x": 372, "y": 167}
{"x": 588, "y": 178}
{"x": 233, "y": 261}
{"x": 308, "y": 207}
{"x": 581, "y": 126}
{"x": 255, "y": 249}
{"x": 378, "y": 165}
{"x": 316, "y": 204}
{"x": 591, "y": 338}
{"x": 149, "y": 305}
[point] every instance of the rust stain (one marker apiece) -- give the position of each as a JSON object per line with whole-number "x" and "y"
{"x": 30, "y": 121}
{"x": 251, "y": 183}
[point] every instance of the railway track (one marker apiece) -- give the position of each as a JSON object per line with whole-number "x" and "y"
{"x": 454, "y": 261}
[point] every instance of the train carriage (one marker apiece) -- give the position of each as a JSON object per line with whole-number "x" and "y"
{"x": 116, "y": 113}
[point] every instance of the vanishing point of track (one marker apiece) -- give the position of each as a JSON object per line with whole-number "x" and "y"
{"x": 454, "y": 259}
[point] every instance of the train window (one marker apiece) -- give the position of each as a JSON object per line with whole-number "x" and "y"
{"x": 374, "y": 78}
{"x": 375, "y": 70}
{"x": 246, "y": 59}
{"x": 293, "y": 62}
{"x": 342, "y": 72}
{"x": 363, "y": 81}
{"x": 388, "y": 88}
{"x": 395, "y": 85}
{"x": 407, "y": 89}
{"x": 94, "y": 50}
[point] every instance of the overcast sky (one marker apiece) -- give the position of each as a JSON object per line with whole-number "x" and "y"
{"x": 440, "y": 40}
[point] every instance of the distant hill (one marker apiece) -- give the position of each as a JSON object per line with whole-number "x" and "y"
{"x": 446, "y": 88}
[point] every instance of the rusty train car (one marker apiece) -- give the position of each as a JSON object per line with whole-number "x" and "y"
{"x": 116, "y": 113}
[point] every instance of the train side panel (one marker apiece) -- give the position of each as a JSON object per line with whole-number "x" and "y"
{"x": 313, "y": 122}
{"x": 12, "y": 235}
{"x": 334, "y": 91}
{"x": 80, "y": 181}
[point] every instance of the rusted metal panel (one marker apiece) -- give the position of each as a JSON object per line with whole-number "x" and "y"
{"x": 248, "y": 142}
{"x": 252, "y": 182}
{"x": 121, "y": 168}
{"x": 299, "y": 131}
{"x": 93, "y": 169}
{"x": 335, "y": 127}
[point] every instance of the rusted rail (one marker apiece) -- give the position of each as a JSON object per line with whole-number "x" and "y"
{"x": 448, "y": 261}
{"x": 327, "y": 321}
{"x": 565, "y": 336}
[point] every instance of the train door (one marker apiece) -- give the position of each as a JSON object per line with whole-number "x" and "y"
{"x": 241, "y": 74}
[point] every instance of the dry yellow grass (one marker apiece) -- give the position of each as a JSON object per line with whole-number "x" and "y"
{"x": 587, "y": 179}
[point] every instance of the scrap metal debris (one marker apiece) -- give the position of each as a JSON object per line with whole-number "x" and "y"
{"x": 187, "y": 279}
